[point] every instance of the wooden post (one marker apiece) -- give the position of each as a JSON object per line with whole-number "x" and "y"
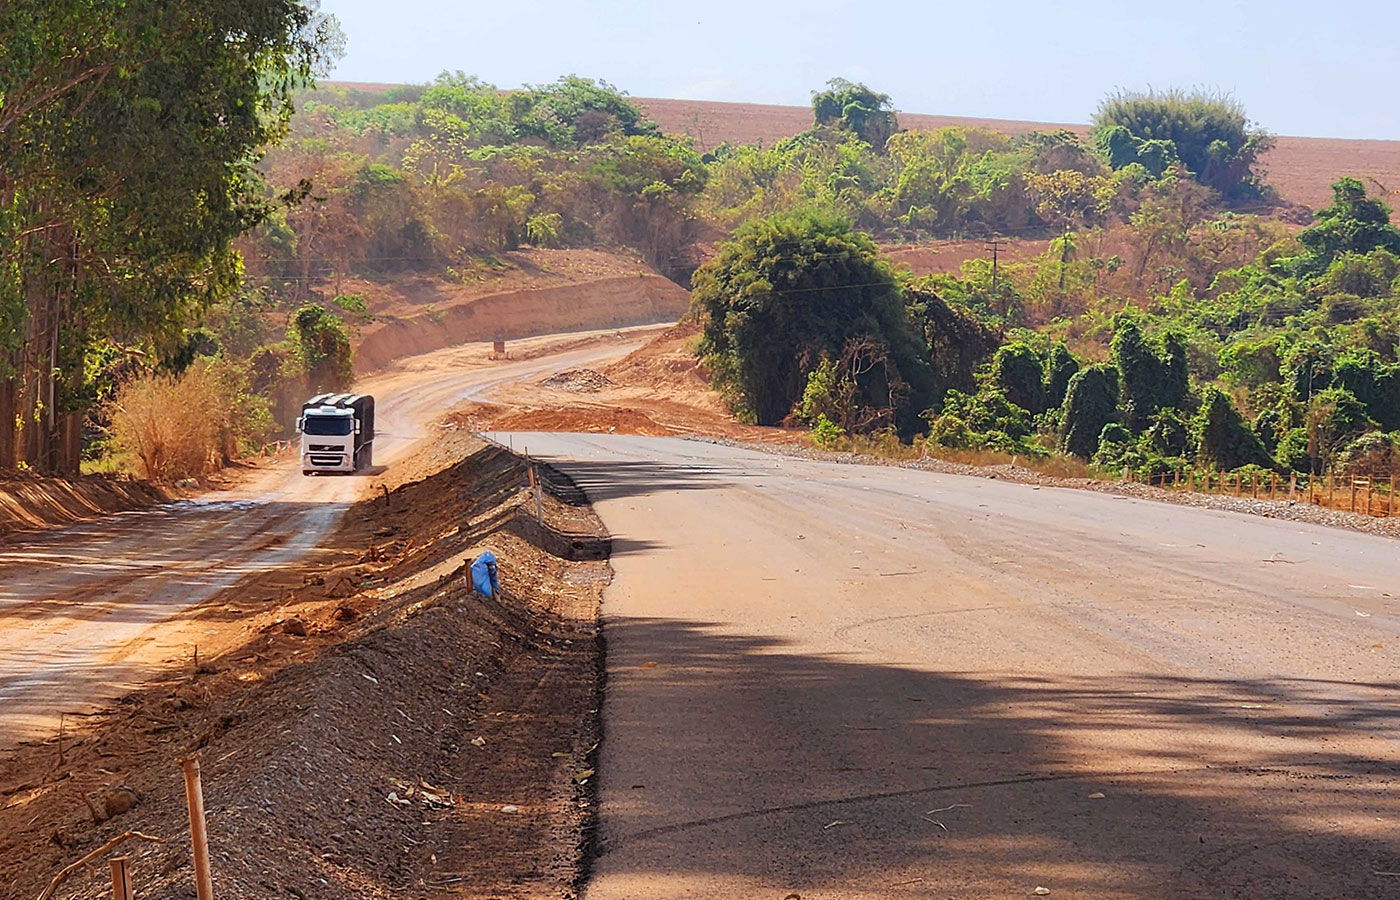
{"x": 1254, "y": 486}
{"x": 1370, "y": 480}
{"x": 121, "y": 879}
{"x": 1331, "y": 488}
{"x": 1292, "y": 485}
{"x": 1191, "y": 481}
{"x": 1390, "y": 511}
{"x": 199, "y": 836}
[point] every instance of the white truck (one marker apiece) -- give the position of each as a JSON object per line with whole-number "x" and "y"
{"x": 337, "y": 433}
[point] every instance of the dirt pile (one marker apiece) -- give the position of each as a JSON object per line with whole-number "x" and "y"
{"x": 593, "y": 420}
{"x": 381, "y": 732}
{"x": 29, "y": 503}
{"x": 578, "y": 381}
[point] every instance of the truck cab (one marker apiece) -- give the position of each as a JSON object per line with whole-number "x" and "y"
{"x": 337, "y": 433}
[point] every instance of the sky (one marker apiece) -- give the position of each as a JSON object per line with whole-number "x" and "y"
{"x": 1300, "y": 68}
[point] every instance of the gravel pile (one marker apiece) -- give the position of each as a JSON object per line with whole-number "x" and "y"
{"x": 578, "y": 381}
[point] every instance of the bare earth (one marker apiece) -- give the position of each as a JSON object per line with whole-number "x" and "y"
{"x": 79, "y": 607}
{"x": 855, "y": 682}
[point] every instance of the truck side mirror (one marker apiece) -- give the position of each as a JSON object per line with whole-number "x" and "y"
{"x": 357, "y": 427}
{"x": 298, "y": 426}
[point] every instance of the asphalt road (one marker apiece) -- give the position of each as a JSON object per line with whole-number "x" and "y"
{"x": 830, "y": 681}
{"x": 81, "y": 607}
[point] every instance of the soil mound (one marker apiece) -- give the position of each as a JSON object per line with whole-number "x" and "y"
{"x": 584, "y": 419}
{"x": 29, "y": 503}
{"x": 405, "y": 738}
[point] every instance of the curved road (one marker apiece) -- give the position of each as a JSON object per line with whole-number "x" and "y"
{"x": 80, "y": 607}
{"x": 836, "y": 681}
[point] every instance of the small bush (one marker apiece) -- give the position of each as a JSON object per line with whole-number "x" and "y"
{"x": 826, "y": 434}
{"x": 180, "y": 427}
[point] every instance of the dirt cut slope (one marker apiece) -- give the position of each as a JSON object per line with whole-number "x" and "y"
{"x": 380, "y": 733}
{"x": 29, "y": 503}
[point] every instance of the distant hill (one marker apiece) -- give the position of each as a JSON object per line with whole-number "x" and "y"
{"x": 1302, "y": 169}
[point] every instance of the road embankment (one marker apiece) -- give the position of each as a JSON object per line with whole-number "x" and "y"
{"x": 30, "y": 503}
{"x": 377, "y": 732}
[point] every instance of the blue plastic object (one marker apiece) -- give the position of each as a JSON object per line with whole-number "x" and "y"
{"x": 483, "y": 575}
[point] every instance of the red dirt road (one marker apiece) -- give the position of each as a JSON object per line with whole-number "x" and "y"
{"x": 79, "y": 607}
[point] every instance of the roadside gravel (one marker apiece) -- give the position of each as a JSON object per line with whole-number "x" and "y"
{"x": 1290, "y": 510}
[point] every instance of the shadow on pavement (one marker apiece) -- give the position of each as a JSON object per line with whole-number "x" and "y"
{"x": 818, "y": 774}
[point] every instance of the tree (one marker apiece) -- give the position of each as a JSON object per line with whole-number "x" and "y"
{"x": 1018, "y": 372}
{"x": 1150, "y": 381}
{"x": 787, "y": 292}
{"x": 1059, "y": 369}
{"x": 1224, "y": 438}
{"x": 1354, "y": 223}
{"x": 1209, "y": 133}
{"x": 858, "y": 109}
{"x": 128, "y": 136}
{"x": 323, "y": 348}
{"x": 1091, "y": 402}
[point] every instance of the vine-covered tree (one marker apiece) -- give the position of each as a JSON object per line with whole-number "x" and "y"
{"x": 789, "y": 291}
{"x": 1091, "y": 402}
{"x": 1354, "y": 223}
{"x": 1225, "y": 439}
{"x": 857, "y": 109}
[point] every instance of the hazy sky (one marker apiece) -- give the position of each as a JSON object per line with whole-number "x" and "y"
{"x": 1300, "y": 68}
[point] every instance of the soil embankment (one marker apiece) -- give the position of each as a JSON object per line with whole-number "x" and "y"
{"x": 612, "y": 302}
{"x": 29, "y": 503}
{"x": 368, "y": 728}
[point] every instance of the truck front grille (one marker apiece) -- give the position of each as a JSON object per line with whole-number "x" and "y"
{"x": 327, "y": 460}
{"x": 325, "y": 448}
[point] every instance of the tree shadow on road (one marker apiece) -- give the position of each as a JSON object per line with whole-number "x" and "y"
{"x": 739, "y": 761}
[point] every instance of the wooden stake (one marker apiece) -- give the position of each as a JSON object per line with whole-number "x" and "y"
{"x": 199, "y": 836}
{"x": 1351, "y": 506}
{"x": 1391, "y": 510}
{"x": 121, "y": 879}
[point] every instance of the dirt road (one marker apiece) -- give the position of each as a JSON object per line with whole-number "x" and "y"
{"x": 78, "y": 606}
{"x": 834, "y": 681}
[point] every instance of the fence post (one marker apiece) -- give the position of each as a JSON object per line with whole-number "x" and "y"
{"x": 1370, "y": 482}
{"x": 1351, "y": 502}
{"x": 121, "y": 879}
{"x": 1391, "y": 508}
{"x": 1292, "y": 484}
{"x": 1191, "y": 481}
{"x": 199, "y": 836}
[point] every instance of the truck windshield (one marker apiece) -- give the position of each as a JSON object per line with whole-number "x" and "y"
{"x": 326, "y": 425}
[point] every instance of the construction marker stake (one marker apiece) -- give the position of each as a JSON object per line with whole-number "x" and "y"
{"x": 199, "y": 835}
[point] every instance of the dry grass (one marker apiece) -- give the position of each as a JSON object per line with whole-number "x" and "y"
{"x": 172, "y": 426}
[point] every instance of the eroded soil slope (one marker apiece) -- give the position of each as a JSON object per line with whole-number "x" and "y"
{"x": 378, "y": 733}
{"x": 30, "y": 503}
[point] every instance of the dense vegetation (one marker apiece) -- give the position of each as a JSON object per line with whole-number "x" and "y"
{"x": 1287, "y": 363}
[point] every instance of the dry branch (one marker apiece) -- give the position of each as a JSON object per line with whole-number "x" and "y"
{"x": 69, "y": 869}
